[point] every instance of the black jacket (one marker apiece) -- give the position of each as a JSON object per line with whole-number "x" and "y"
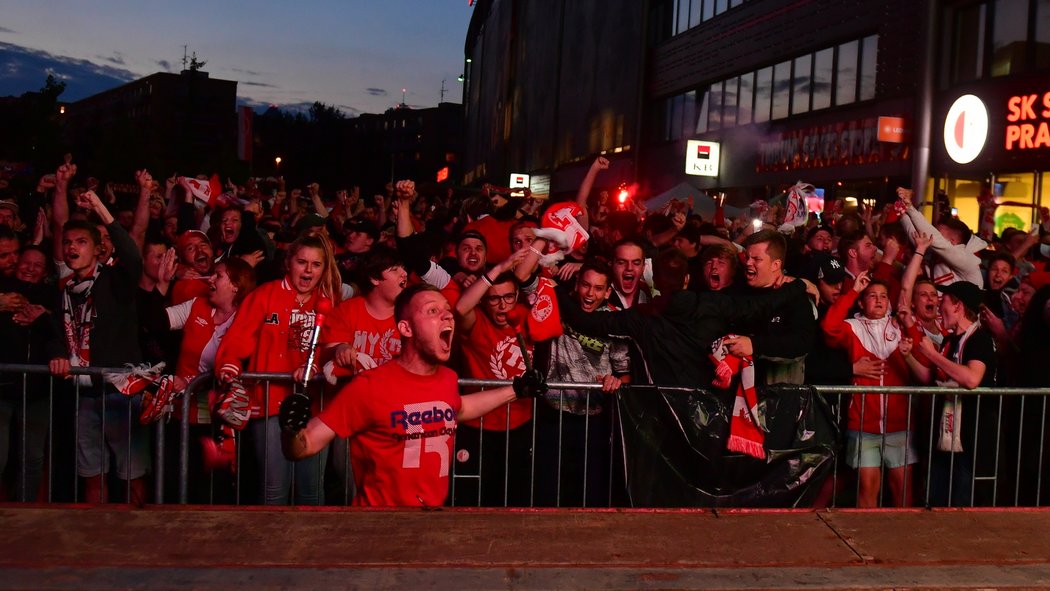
{"x": 675, "y": 333}
{"x": 115, "y": 329}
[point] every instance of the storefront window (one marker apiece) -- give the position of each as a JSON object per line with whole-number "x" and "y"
{"x": 823, "y": 66}
{"x": 763, "y": 94}
{"x": 802, "y": 83}
{"x": 715, "y": 115}
{"x": 968, "y": 43}
{"x": 688, "y": 115}
{"x": 729, "y": 96}
{"x": 868, "y": 64}
{"x": 846, "y": 86}
{"x": 1044, "y": 191}
{"x": 746, "y": 96}
{"x": 721, "y": 6}
{"x": 1009, "y": 39}
{"x": 1016, "y": 188}
{"x": 701, "y": 117}
{"x": 781, "y": 90}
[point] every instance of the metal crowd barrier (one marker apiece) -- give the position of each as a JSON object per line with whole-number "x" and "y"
{"x": 1010, "y": 470}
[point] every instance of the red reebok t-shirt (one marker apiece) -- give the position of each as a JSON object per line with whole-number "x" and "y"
{"x": 401, "y": 426}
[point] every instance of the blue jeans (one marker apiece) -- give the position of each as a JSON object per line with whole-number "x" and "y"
{"x": 277, "y": 473}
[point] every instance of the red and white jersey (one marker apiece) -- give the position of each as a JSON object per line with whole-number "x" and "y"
{"x": 490, "y": 352}
{"x": 351, "y": 323}
{"x": 401, "y": 426}
{"x": 272, "y": 331}
{"x": 200, "y": 342}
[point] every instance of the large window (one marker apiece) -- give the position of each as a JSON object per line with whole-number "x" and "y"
{"x": 1009, "y": 37}
{"x": 996, "y": 38}
{"x": 746, "y": 100}
{"x": 686, "y": 14}
{"x": 782, "y": 90}
{"x": 763, "y": 94}
{"x": 838, "y": 75}
{"x": 803, "y": 84}
{"x": 823, "y": 70}
{"x": 846, "y": 73}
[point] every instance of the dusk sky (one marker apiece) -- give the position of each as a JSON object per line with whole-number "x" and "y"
{"x": 353, "y": 54}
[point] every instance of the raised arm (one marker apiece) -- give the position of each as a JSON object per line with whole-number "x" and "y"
{"x": 60, "y": 206}
{"x": 471, "y": 297}
{"x": 141, "y": 221}
{"x": 911, "y": 272}
{"x": 600, "y": 164}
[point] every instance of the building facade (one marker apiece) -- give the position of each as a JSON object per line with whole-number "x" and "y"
{"x": 165, "y": 122}
{"x": 825, "y": 91}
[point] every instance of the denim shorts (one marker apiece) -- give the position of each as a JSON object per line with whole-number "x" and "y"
{"x": 120, "y": 433}
{"x": 892, "y": 450}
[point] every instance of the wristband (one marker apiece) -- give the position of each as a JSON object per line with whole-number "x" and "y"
{"x": 535, "y": 250}
{"x": 922, "y": 254}
{"x": 485, "y": 278}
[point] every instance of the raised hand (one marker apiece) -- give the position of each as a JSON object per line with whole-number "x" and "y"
{"x": 862, "y": 282}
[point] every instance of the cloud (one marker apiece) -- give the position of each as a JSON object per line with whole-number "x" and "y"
{"x": 164, "y": 64}
{"x": 261, "y": 84}
{"x": 248, "y": 72}
{"x": 376, "y": 91}
{"x": 6, "y": 30}
{"x": 25, "y": 69}
{"x": 116, "y": 59}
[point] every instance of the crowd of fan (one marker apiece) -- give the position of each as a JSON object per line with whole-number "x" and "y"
{"x": 231, "y": 280}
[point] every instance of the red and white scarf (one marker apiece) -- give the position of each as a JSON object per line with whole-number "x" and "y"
{"x": 745, "y": 435}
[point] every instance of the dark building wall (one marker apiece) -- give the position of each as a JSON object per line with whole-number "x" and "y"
{"x": 551, "y": 85}
{"x": 166, "y": 122}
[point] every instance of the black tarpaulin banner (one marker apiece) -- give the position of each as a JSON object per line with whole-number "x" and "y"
{"x": 674, "y": 448}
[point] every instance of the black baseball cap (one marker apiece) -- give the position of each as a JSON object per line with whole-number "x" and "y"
{"x": 827, "y": 268}
{"x": 969, "y": 294}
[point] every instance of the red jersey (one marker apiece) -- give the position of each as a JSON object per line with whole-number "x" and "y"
{"x": 185, "y": 290}
{"x": 493, "y": 353}
{"x": 351, "y": 323}
{"x": 200, "y": 343}
{"x": 401, "y": 426}
{"x": 272, "y": 331}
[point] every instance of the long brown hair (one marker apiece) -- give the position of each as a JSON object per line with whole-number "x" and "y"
{"x": 331, "y": 282}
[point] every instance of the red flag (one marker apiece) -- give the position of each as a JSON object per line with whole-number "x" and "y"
{"x": 208, "y": 192}
{"x": 544, "y": 320}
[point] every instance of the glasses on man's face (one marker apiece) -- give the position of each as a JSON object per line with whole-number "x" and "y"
{"x": 507, "y": 298}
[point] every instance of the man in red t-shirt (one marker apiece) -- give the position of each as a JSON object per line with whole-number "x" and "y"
{"x": 498, "y": 449}
{"x": 401, "y": 417}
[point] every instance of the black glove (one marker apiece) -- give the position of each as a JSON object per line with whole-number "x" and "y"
{"x": 295, "y": 413}
{"x": 530, "y": 384}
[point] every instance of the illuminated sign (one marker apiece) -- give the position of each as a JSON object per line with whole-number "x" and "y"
{"x": 518, "y": 180}
{"x": 540, "y": 186}
{"x": 701, "y": 158}
{"x": 1028, "y": 126}
{"x": 844, "y": 143}
{"x": 965, "y": 129}
{"x": 442, "y": 174}
{"x": 892, "y": 130}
